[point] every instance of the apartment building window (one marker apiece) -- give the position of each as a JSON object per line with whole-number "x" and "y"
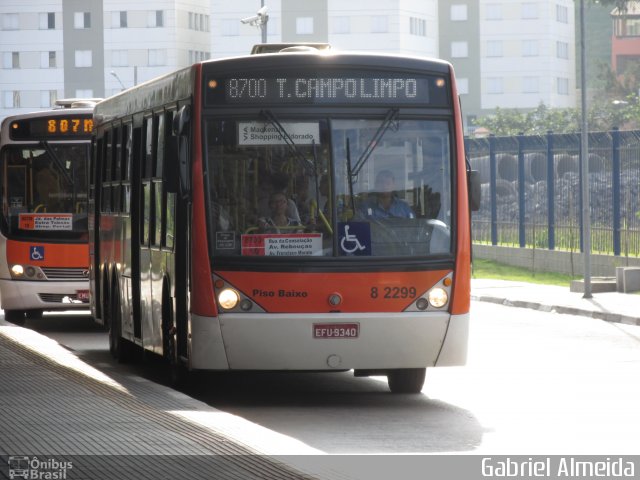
{"x": 119, "y": 19}
{"x": 84, "y": 58}
{"x": 304, "y": 25}
{"x": 48, "y": 98}
{"x": 199, "y": 22}
{"x": 47, "y": 59}
{"x": 494, "y": 86}
{"x": 530, "y": 85}
{"x": 11, "y": 99}
{"x": 494, "y": 48}
{"x": 84, "y": 93}
{"x": 529, "y": 48}
{"x": 230, "y": 27}
{"x": 11, "y": 60}
{"x": 562, "y": 50}
{"x": 155, "y": 19}
{"x": 47, "y": 21}
{"x": 529, "y": 11}
{"x": 81, "y": 20}
{"x": 119, "y": 58}
{"x": 463, "y": 86}
{"x": 459, "y": 49}
{"x": 340, "y": 25}
{"x": 563, "y": 86}
{"x": 562, "y": 14}
{"x": 418, "y": 26}
{"x": 379, "y": 24}
{"x": 157, "y": 57}
{"x": 458, "y": 13}
{"x": 10, "y": 21}
{"x": 493, "y": 11}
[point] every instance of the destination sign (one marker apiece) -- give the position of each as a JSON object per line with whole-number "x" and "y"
{"x": 52, "y": 127}
{"x": 340, "y": 88}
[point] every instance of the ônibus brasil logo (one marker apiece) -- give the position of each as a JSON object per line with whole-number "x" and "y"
{"x": 34, "y": 468}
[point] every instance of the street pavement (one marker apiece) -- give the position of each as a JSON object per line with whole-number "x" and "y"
{"x": 107, "y": 424}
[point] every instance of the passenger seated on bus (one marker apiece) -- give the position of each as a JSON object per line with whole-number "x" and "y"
{"x": 384, "y": 202}
{"x": 278, "y": 221}
{"x": 276, "y": 182}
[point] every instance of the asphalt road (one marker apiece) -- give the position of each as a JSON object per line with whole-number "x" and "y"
{"x": 535, "y": 383}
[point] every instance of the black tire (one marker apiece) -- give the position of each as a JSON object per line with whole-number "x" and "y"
{"x": 178, "y": 374}
{"x": 34, "y": 314}
{"x": 406, "y": 380}
{"x": 17, "y": 317}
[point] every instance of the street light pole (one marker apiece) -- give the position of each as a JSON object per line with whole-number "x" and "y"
{"x": 115, "y": 75}
{"x": 263, "y": 25}
{"x": 584, "y": 154}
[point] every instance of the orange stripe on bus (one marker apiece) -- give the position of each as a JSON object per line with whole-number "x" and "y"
{"x": 292, "y": 292}
{"x": 55, "y": 254}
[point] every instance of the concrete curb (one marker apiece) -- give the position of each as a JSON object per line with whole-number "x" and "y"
{"x": 562, "y": 309}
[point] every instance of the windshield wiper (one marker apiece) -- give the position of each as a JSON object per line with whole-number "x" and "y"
{"x": 304, "y": 161}
{"x": 389, "y": 119}
{"x": 58, "y": 162}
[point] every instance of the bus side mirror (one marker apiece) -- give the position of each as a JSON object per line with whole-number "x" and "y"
{"x": 181, "y": 124}
{"x": 475, "y": 190}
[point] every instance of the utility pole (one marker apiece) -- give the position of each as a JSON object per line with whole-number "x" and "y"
{"x": 584, "y": 154}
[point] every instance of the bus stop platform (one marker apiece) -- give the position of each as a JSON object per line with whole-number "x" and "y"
{"x": 63, "y": 418}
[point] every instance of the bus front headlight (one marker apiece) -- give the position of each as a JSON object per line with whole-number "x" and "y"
{"x": 228, "y": 298}
{"x": 17, "y": 271}
{"x": 438, "y": 297}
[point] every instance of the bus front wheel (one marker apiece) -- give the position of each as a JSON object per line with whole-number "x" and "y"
{"x": 406, "y": 380}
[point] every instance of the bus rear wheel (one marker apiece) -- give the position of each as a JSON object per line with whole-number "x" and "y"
{"x": 17, "y": 317}
{"x": 406, "y": 380}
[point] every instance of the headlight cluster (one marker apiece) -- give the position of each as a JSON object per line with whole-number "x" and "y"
{"x": 436, "y": 297}
{"x": 26, "y": 272}
{"x": 229, "y": 298}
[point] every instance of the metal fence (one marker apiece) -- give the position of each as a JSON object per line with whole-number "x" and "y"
{"x": 532, "y": 191}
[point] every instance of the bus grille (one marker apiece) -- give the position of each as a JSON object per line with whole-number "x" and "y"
{"x": 66, "y": 273}
{"x": 59, "y": 297}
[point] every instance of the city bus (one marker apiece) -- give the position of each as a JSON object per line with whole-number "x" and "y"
{"x": 43, "y": 229}
{"x": 301, "y": 210}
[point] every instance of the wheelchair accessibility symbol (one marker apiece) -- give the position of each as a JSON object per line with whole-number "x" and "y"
{"x": 355, "y": 238}
{"x": 36, "y": 252}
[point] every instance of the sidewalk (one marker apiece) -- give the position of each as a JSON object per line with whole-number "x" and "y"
{"x": 79, "y": 422}
{"x": 609, "y": 306}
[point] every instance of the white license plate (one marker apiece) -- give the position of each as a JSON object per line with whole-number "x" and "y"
{"x": 336, "y": 330}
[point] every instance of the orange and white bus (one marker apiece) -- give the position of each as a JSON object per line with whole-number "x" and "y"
{"x": 297, "y": 210}
{"x": 43, "y": 230}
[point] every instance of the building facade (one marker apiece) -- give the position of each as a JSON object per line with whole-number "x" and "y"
{"x": 510, "y": 54}
{"x": 76, "y": 48}
{"x": 507, "y": 54}
{"x": 625, "y": 43}
{"x": 393, "y": 26}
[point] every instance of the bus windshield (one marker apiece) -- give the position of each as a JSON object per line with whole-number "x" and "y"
{"x": 330, "y": 187}
{"x": 44, "y": 191}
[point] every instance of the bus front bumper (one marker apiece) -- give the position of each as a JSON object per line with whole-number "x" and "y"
{"x": 287, "y": 341}
{"x": 25, "y": 295}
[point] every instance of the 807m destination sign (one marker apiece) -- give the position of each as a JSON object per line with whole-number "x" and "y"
{"x": 333, "y": 89}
